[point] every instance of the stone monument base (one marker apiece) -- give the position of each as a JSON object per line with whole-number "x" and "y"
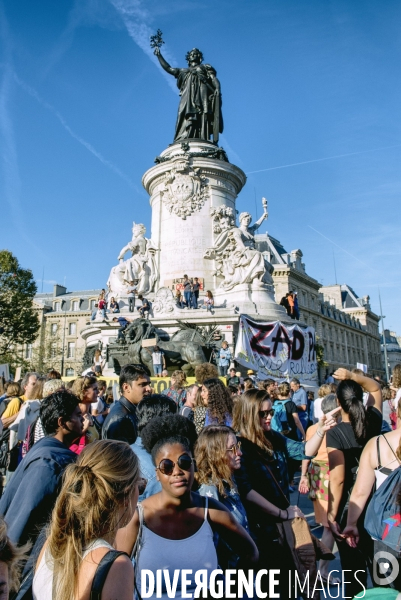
{"x": 253, "y": 300}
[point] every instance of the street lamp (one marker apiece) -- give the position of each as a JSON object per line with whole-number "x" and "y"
{"x": 63, "y": 352}
{"x": 384, "y": 341}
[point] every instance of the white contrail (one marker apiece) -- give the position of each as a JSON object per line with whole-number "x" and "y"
{"x": 306, "y": 162}
{"x": 12, "y": 183}
{"x": 136, "y": 19}
{"x": 343, "y": 249}
{"x": 32, "y": 92}
{"x": 8, "y": 154}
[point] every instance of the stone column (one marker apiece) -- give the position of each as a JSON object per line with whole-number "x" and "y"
{"x": 189, "y": 179}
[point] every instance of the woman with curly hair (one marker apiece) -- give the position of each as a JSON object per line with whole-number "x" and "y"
{"x": 98, "y": 496}
{"x": 219, "y": 403}
{"x": 177, "y": 391}
{"x": 205, "y": 371}
{"x": 200, "y": 410}
{"x": 218, "y": 457}
{"x": 175, "y": 527}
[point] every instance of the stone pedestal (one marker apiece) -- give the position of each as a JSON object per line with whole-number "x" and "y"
{"x": 189, "y": 180}
{"x": 252, "y": 300}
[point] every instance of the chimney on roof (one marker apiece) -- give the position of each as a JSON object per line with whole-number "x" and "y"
{"x": 59, "y": 290}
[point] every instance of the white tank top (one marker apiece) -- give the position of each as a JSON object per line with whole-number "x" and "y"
{"x": 42, "y": 585}
{"x": 195, "y": 552}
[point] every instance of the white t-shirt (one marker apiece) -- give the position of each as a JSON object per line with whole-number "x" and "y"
{"x": 317, "y": 409}
{"x": 98, "y": 406}
{"x": 157, "y": 358}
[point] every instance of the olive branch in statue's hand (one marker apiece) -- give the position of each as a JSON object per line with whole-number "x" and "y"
{"x": 156, "y": 41}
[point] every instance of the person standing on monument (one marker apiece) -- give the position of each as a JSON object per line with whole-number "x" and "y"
{"x": 158, "y": 361}
{"x": 131, "y": 296}
{"x": 296, "y": 306}
{"x": 199, "y": 112}
{"x": 195, "y": 292}
{"x": 284, "y": 302}
{"x": 187, "y": 291}
{"x": 291, "y": 304}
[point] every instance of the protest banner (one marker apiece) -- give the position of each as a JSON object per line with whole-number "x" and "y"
{"x": 276, "y": 350}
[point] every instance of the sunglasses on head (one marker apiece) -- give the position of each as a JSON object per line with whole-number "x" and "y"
{"x": 235, "y": 449}
{"x": 166, "y": 466}
{"x": 265, "y": 413}
{"x": 138, "y": 367}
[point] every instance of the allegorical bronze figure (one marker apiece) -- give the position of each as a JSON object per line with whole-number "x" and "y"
{"x": 199, "y": 111}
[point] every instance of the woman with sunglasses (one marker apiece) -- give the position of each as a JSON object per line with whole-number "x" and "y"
{"x": 218, "y": 457}
{"x": 263, "y": 478}
{"x": 178, "y": 524}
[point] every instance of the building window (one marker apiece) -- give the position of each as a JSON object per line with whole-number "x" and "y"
{"x": 69, "y": 372}
{"x": 52, "y": 352}
{"x": 53, "y": 329}
{"x": 57, "y": 306}
{"x": 28, "y": 351}
{"x": 93, "y": 302}
{"x": 75, "y": 305}
{"x": 72, "y": 329}
{"x": 71, "y": 350}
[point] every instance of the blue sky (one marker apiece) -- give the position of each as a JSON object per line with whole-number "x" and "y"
{"x": 84, "y": 109}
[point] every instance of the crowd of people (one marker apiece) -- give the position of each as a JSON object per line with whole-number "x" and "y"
{"x": 199, "y": 477}
{"x": 187, "y": 295}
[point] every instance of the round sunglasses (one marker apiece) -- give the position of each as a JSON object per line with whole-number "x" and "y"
{"x": 166, "y": 466}
{"x": 265, "y": 413}
{"x": 235, "y": 448}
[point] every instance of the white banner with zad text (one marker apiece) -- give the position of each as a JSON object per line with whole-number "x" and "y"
{"x": 277, "y": 350}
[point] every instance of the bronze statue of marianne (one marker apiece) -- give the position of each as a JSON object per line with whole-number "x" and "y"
{"x": 199, "y": 112}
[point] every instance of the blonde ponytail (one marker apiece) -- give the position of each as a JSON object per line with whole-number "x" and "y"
{"x": 88, "y": 507}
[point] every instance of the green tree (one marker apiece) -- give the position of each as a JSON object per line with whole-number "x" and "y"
{"x": 46, "y": 355}
{"x": 320, "y": 354}
{"x": 19, "y": 323}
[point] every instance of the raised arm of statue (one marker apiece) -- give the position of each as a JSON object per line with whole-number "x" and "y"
{"x": 164, "y": 64}
{"x": 258, "y": 223}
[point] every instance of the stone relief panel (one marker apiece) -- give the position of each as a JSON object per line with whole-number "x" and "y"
{"x": 185, "y": 189}
{"x": 164, "y": 301}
